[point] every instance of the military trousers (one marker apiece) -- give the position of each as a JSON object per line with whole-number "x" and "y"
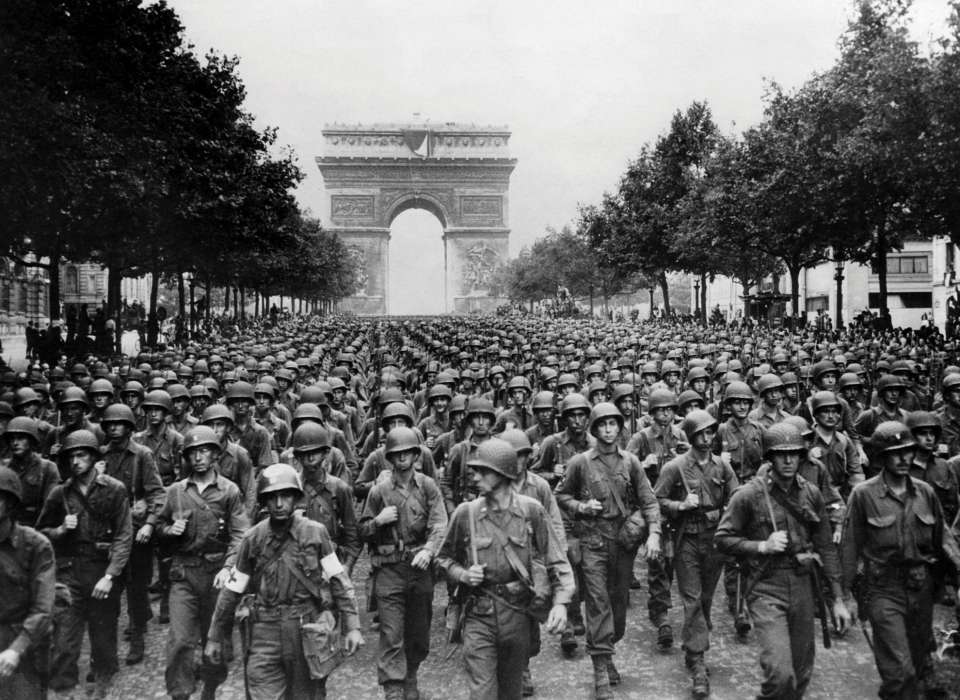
{"x": 84, "y": 613}
{"x": 275, "y": 667}
{"x": 28, "y": 681}
{"x": 698, "y": 566}
{"x": 607, "y": 569}
{"x": 496, "y": 646}
{"x": 783, "y": 615}
{"x": 139, "y": 575}
{"x": 902, "y": 623}
{"x": 659, "y": 578}
{"x": 192, "y": 601}
{"x": 405, "y": 602}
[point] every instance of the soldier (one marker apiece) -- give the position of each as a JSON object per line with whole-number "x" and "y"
{"x": 180, "y": 418}
{"x": 37, "y": 475}
{"x": 133, "y": 464}
{"x": 265, "y": 414}
{"x": 403, "y": 522}
{"x": 739, "y": 437}
{"x": 949, "y": 413}
{"x": 202, "y": 522}
{"x": 87, "y": 518}
{"x": 602, "y": 489}
{"x": 693, "y": 489}
{"x": 519, "y": 414}
{"x": 545, "y": 414}
{"x": 27, "y": 579}
{"x": 288, "y": 564}
{"x": 100, "y": 393}
{"x": 245, "y": 431}
{"x": 480, "y": 416}
{"x": 73, "y": 407}
{"x": 396, "y": 416}
{"x": 234, "y": 461}
{"x": 448, "y": 440}
{"x": 160, "y": 437}
{"x": 895, "y": 528}
{"x": 890, "y": 392}
{"x": 132, "y": 395}
{"x": 929, "y": 464}
{"x": 438, "y": 422}
{"x": 491, "y": 547}
{"x": 654, "y": 446}
{"x": 328, "y": 499}
{"x": 779, "y": 522}
{"x": 770, "y": 390}
{"x": 833, "y": 448}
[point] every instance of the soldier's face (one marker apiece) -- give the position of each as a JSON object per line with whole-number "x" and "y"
{"x": 607, "y": 430}
{"x": 398, "y": 422}
{"x": 220, "y": 428}
{"x": 72, "y": 413}
{"x": 772, "y": 397}
{"x": 518, "y": 396}
{"x": 671, "y": 378}
{"x": 116, "y": 431}
{"x": 577, "y": 420}
{"x": 699, "y": 385}
{"x": 567, "y": 389}
{"x": 898, "y": 462}
{"x": 481, "y": 423}
{"x": 703, "y": 440}
{"x": 892, "y": 396}
{"x": 338, "y": 396}
{"x": 663, "y": 416}
{"x": 485, "y": 481}
{"x": 402, "y": 461}
{"x": 263, "y": 402}
{"x": 739, "y": 407}
{"x": 280, "y": 504}
{"x": 132, "y": 399}
{"x": 180, "y": 406}
{"x": 156, "y": 416}
{"x": 625, "y": 405}
{"x": 926, "y": 439}
{"x": 202, "y": 459}
{"x": 100, "y": 401}
{"x": 828, "y": 381}
{"x": 785, "y": 464}
{"x": 790, "y": 391}
{"x": 81, "y": 462}
{"x": 240, "y": 408}
{"x": 313, "y": 460}
{"x": 440, "y": 404}
{"x": 20, "y": 445}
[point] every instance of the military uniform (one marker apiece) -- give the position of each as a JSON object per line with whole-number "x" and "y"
{"x": 781, "y": 601}
{"x": 283, "y": 601}
{"x": 216, "y": 522}
{"x": 99, "y": 545}
{"x": 841, "y": 458}
{"x": 404, "y": 594}
{"x": 497, "y": 629}
{"x": 329, "y": 501}
{"x": 38, "y": 476}
{"x": 255, "y": 439}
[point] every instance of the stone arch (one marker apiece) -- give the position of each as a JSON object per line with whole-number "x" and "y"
{"x": 460, "y": 174}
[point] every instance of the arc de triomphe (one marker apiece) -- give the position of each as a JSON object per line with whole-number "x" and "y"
{"x": 459, "y": 173}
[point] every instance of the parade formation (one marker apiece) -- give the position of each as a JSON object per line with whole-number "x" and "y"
{"x": 510, "y": 474}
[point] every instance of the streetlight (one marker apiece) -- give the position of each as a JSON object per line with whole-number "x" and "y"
{"x": 838, "y": 261}
{"x": 696, "y": 298}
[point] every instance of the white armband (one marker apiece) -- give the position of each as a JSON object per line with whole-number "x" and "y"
{"x": 237, "y": 582}
{"x": 331, "y": 566}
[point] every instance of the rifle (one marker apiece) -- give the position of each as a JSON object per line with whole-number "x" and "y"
{"x": 812, "y": 560}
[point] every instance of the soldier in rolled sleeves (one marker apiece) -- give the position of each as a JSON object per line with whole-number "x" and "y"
{"x": 202, "y": 523}
{"x": 87, "y": 518}
{"x": 133, "y": 464}
{"x": 491, "y": 547}
{"x": 403, "y": 522}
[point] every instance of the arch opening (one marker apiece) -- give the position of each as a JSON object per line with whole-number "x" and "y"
{"x": 416, "y": 267}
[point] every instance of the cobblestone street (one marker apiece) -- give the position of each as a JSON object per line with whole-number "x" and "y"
{"x": 845, "y": 671}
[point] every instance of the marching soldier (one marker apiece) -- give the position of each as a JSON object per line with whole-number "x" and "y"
{"x": 302, "y": 598}
{"x": 234, "y": 461}
{"x": 491, "y": 547}
{"x": 202, "y": 523}
{"x": 27, "y": 579}
{"x": 403, "y": 522}
{"x": 37, "y": 475}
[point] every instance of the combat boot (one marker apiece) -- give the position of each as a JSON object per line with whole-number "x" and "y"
{"x": 699, "y": 675}
{"x": 612, "y": 673}
{"x": 209, "y": 692}
{"x": 568, "y": 643}
{"x": 410, "y": 689}
{"x": 393, "y": 690}
{"x": 601, "y": 678}
{"x": 665, "y": 637}
{"x": 527, "y": 682}
{"x": 136, "y": 648}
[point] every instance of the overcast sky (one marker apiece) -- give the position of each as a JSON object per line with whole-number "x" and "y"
{"x": 582, "y": 85}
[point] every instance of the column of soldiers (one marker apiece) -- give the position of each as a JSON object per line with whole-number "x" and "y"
{"x": 527, "y": 464}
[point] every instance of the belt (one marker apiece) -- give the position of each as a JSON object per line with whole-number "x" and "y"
{"x": 282, "y": 611}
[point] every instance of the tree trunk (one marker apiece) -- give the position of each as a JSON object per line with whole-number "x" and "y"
{"x": 193, "y": 305}
{"x": 152, "y": 323}
{"x": 838, "y": 276}
{"x": 703, "y": 298}
{"x": 114, "y": 305}
{"x": 795, "y": 289}
{"x": 206, "y": 307}
{"x": 745, "y": 284}
{"x": 226, "y": 299}
{"x": 243, "y": 303}
{"x": 181, "y": 293}
{"x": 664, "y": 288}
{"x": 651, "y": 290}
{"x": 881, "y": 263}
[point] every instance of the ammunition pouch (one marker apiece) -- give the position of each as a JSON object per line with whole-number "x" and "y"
{"x": 633, "y": 532}
{"x": 320, "y": 640}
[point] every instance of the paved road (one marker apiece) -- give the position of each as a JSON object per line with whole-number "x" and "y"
{"x": 846, "y": 671}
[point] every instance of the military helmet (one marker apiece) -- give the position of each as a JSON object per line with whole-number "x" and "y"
{"x": 310, "y": 437}
{"x": 157, "y": 398}
{"x": 916, "y": 420}
{"x": 400, "y": 440}
{"x": 823, "y": 399}
{"x": 397, "y": 410}
{"x": 200, "y": 435}
{"x": 177, "y": 391}
{"x": 22, "y": 425}
{"x": 519, "y": 440}
{"x": 458, "y": 404}
{"x": 789, "y": 378}
{"x": 278, "y": 477}
{"x": 696, "y": 373}
{"x": 768, "y": 382}
{"x": 567, "y": 380}
{"x": 697, "y": 421}
{"x": 214, "y": 412}
{"x": 10, "y": 483}
{"x": 306, "y": 412}
{"x": 620, "y": 392}
{"x": 73, "y": 394}
{"x": 575, "y": 402}
{"x": 25, "y": 396}
{"x": 782, "y": 437}
{"x": 848, "y": 380}
{"x": 543, "y": 400}
{"x": 496, "y": 455}
{"x": 519, "y": 382}
{"x": 80, "y": 440}
{"x": 119, "y": 413}
{"x": 891, "y": 436}
{"x": 950, "y": 381}
{"x": 480, "y": 406}
{"x": 661, "y": 398}
{"x": 439, "y": 391}
{"x": 801, "y": 424}
{"x": 821, "y": 368}
{"x": 240, "y": 391}
{"x": 689, "y": 396}
{"x": 737, "y": 390}
{"x": 890, "y": 381}
{"x": 132, "y": 387}
{"x": 266, "y": 389}
{"x": 100, "y": 386}
{"x": 603, "y": 411}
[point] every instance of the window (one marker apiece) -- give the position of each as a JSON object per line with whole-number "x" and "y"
{"x": 817, "y": 303}
{"x": 71, "y": 282}
{"x": 908, "y": 300}
{"x": 905, "y": 265}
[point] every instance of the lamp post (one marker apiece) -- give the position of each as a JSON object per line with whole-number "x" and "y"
{"x": 838, "y": 276}
{"x": 696, "y": 298}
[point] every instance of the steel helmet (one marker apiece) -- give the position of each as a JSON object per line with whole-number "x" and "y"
{"x": 597, "y": 386}
{"x": 620, "y": 392}
{"x": 10, "y": 483}
{"x": 822, "y": 399}
{"x": 661, "y": 398}
{"x": 519, "y": 440}
{"x": 496, "y": 455}
{"x": 916, "y": 420}
{"x": 458, "y": 404}
{"x": 890, "y": 381}
{"x": 80, "y": 440}
{"x": 891, "y": 436}
{"x": 178, "y": 391}
{"x": 737, "y": 390}
{"x": 439, "y": 391}
{"x": 240, "y": 391}
{"x": 22, "y": 425}
{"x": 697, "y": 421}
{"x": 669, "y": 367}
{"x": 310, "y": 437}
{"x": 478, "y": 406}
{"x": 649, "y": 368}
{"x": 575, "y": 402}
{"x": 397, "y": 410}
{"x": 821, "y": 368}
{"x": 543, "y": 400}
{"x": 73, "y": 394}
{"x": 266, "y": 389}
{"x": 387, "y": 396}
{"x": 25, "y": 396}
{"x": 157, "y": 398}
{"x": 950, "y": 381}
{"x": 782, "y": 437}
{"x": 801, "y": 424}
{"x": 278, "y": 477}
{"x": 603, "y": 411}
{"x": 200, "y": 435}
{"x": 100, "y": 386}
{"x": 214, "y": 412}
{"x": 789, "y": 378}
{"x": 688, "y": 397}
{"x": 200, "y": 391}
{"x": 119, "y": 413}
{"x": 696, "y": 373}
{"x": 848, "y": 380}
{"x": 400, "y": 440}
{"x": 133, "y": 387}
{"x": 768, "y": 382}
{"x": 306, "y": 412}
{"x": 519, "y": 382}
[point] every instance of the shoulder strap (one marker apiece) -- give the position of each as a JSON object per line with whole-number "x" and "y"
{"x": 512, "y": 558}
